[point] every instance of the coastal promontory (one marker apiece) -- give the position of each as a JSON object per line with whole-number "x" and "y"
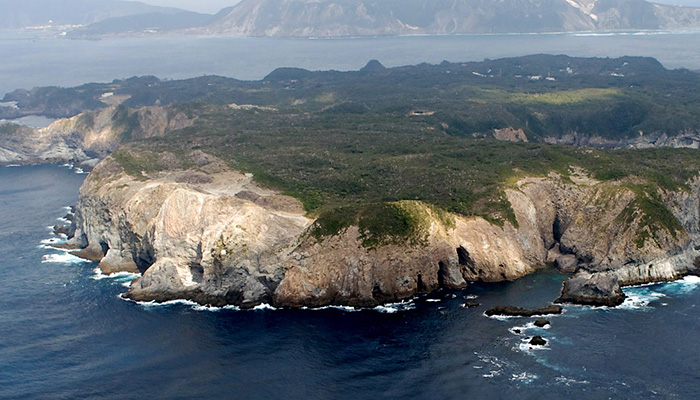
{"x": 359, "y": 188}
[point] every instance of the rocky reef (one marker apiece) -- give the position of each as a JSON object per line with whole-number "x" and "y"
{"x": 204, "y": 232}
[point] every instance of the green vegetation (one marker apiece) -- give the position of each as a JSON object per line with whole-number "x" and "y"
{"x": 347, "y": 146}
{"x": 9, "y": 129}
{"x": 86, "y": 121}
{"x": 138, "y": 163}
{"x": 339, "y": 164}
{"x": 654, "y": 215}
{"x": 393, "y": 223}
{"x": 403, "y": 222}
{"x": 577, "y": 96}
{"x": 125, "y": 120}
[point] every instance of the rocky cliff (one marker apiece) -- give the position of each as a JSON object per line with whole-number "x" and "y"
{"x": 689, "y": 139}
{"x": 87, "y": 136}
{"x": 210, "y": 234}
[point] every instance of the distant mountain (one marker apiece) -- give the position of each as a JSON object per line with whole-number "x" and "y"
{"x": 151, "y": 22}
{"x": 16, "y": 14}
{"x": 393, "y": 17}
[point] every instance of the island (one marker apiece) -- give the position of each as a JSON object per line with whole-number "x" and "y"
{"x": 308, "y": 189}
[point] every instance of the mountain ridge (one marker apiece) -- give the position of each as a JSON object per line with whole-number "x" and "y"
{"x": 329, "y": 18}
{"x": 348, "y": 18}
{"x": 33, "y": 13}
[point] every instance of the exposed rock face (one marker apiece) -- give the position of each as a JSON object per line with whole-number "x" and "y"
{"x": 541, "y": 323}
{"x": 339, "y": 270}
{"x": 510, "y": 135}
{"x": 213, "y": 236}
{"x": 600, "y": 289}
{"x": 601, "y": 230}
{"x": 224, "y": 240}
{"x": 687, "y": 139}
{"x": 193, "y": 240}
{"x": 538, "y": 341}
{"x": 86, "y": 136}
{"x": 567, "y": 264}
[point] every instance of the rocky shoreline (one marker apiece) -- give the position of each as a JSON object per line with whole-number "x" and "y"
{"x": 212, "y": 236}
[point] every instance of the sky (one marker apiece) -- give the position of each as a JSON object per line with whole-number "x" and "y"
{"x": 213, "y": 6}
{"x": 692, "y": 3}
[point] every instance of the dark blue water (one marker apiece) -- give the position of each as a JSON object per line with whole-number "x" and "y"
{"x": 66, "y": 335}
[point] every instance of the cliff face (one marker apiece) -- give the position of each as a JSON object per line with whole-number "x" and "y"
{"x": 211, "y": 235}
{"x": 615, "y": 234}
{"x": 689, "y": 139}
{"x": 86, "y": 136}
{"x": 341, "y": 270}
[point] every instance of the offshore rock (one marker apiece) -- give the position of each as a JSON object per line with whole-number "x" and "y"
{"x": 509, "y": 311}
{"x": 538, "y": 341}
{"x": 601, "y": 289}
{"x": 541, "y": 323}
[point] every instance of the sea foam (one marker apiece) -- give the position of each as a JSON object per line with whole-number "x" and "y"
{"x": 264, "y": 306}
{"x": 62, "y": 258}
{"x": 47, "y": 243}
{"x": 639, "y": 299}
{"x": 683, "y": 286}
{"x": 527, "y": 327}
{"x": 193, "y": 305}
{"x": 524, "y": 377}
{"x": 119, "y": 276}
{"x": 525, "y": 346}
{"x": 339, "y": 308}
{"x": 392, "y": 308}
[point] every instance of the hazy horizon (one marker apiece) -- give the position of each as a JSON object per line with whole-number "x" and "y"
{"x": 214, "y": 6}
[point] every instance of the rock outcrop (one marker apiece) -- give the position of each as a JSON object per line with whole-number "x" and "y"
{"x": 538, "y": 341}
{"x": 541, "y": 323}
{"x": 87, "y": 136}
{"x": 606, "y": 232}
{"x": 223, "y": 240}
{"x": 689, "y": 139}
{"x": 509, "y": 311}
{"x": 600, "y": 289}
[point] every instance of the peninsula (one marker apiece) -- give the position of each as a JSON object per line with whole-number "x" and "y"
{"x": 359, "y": 188}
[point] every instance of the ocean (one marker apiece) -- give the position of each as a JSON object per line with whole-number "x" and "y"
{"x": 30, "y": 60}
{"x": 65, "y": 333}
